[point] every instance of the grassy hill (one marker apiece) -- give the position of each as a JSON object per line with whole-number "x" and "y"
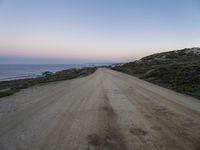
{"x": 178, "y": 70}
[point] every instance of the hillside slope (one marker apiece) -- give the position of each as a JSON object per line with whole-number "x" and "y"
{"x": 178, "y": 70}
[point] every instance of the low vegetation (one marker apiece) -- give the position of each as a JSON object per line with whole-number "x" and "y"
{"x": 10, "y": 87}
{"x": 178, "y": 70}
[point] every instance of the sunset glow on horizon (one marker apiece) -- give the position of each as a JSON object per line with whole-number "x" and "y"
{"x": 95, "y": 31}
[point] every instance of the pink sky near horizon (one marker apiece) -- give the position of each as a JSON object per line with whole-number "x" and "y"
{"x": 80, "y": 47}
{"x": 90, "y": 53}
{"x": 72, "y": 53}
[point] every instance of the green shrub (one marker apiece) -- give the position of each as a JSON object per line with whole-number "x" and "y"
{"x": 8, "y": 92}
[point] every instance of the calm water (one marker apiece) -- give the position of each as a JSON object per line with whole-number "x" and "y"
{"x": 11, "y": 72}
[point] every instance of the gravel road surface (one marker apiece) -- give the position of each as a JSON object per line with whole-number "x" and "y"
{"x": 107, "y": 110}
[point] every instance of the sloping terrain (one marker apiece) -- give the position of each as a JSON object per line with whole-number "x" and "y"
{"x": 107, "y": 110}
{"x": 178, "y": 70}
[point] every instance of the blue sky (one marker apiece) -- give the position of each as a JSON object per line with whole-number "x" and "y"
{"x": 64, "y": 31}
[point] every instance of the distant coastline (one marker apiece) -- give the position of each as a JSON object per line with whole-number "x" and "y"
{"x": 10, "y": 87}
{"x": 23, "y": 71}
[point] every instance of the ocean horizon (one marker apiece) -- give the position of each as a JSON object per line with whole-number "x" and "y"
{"x": 21, "y": 71}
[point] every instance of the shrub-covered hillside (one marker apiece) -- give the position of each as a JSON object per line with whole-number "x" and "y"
{"x": 178, "y": 70}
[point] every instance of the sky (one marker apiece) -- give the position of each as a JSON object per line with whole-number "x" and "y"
{"x": 82, "y": 31}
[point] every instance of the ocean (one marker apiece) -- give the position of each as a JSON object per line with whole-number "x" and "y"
{"x": 18, "y": 71}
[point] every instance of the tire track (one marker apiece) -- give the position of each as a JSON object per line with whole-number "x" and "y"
{"x": 109, "y": 136}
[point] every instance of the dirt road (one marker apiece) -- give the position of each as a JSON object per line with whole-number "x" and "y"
{"x": 107, "y": 110}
